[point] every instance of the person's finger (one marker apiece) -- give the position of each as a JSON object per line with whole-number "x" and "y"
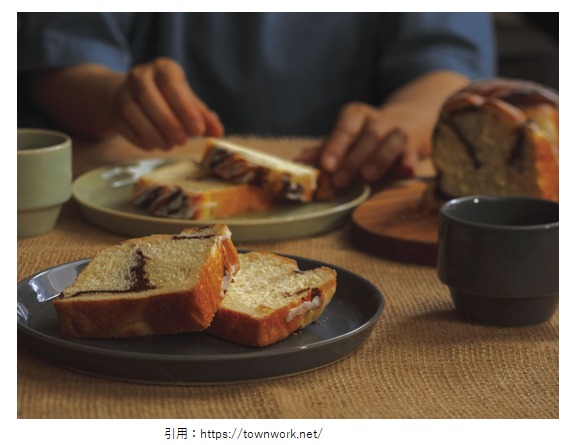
{"x": 408, "y": 165}
{"x": 346, "y": 130}
{"x": 214, "y": 126}
{"x": 133, "y": 123}
{"x": 196, "y": 118}
{"x": 186, "y": 107}
{"x": 388, "y": 152}
{"x": 370, "y": 140}
{"x": 152, "y": 102}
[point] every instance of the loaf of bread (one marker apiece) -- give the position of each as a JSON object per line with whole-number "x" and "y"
{"x": 270, "y": 298}
{"x": 158, "y": 284}
{"x": 180, "y": 190}
{"x": 498, "y": 137}
{"x": 287, "y": 180}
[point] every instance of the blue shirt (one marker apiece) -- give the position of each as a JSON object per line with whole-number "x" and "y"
{"x": 269, "y": 73}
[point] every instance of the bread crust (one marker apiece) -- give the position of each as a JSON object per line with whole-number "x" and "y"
{"x": 160, "y": 311}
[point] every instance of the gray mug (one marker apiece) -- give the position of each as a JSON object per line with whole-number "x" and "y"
{"x": 499, "y": 257}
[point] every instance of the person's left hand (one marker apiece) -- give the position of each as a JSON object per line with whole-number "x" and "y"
{"x": 367, "y": 143}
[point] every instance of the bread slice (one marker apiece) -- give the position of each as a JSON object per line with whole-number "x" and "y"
{"x": 498, "y": 137}
{"x": 158, "y": 284}
{"x": 181, "y": 190}
{"x": 270, "y": 298}
{"x": 286, "y": 179}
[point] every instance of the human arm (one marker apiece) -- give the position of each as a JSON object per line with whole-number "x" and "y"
{"x": 152, "y": 104}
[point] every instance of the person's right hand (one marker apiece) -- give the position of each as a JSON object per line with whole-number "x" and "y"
{"x": 156, "y": 108}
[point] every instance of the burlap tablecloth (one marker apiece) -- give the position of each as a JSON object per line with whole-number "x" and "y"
{"x": 420, "y": 361}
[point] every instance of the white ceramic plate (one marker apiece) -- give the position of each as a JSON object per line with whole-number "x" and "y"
{"x": 104, "y": 198}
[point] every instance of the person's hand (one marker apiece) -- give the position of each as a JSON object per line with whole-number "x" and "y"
{"x": 155, "y": 107}
{"x": 367, "y": 143}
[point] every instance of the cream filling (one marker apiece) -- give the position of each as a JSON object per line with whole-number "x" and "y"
{"x": 303, "y": 308}
{"x": 226, "y": 281}
{"x": 226, "y": 284}
{"x": 264, "y": 159}
{"x": 227, "y": 236}
{"x": 267, "y": 160}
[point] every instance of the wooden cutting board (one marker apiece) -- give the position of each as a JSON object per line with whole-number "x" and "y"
{"x": 397, "y": 223}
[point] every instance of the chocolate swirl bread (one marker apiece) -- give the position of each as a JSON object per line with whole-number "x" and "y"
{"x": 498, "y": 137}
{"x": 158, "y": 284}
{"x": 230, "y": 180}
{"x": 285, "y": 179}
{"x": 181, "y": 190}
{"x": 270, "y": 298}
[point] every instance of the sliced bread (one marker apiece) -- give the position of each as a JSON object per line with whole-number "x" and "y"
{"x": 270, "y": 298}
{"x": 158, "y": 284}
{"x": 181, "y": 190}
{"x": 286, "y": 179}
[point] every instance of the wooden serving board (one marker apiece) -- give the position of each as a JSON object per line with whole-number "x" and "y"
{"x": 397, "y": 223}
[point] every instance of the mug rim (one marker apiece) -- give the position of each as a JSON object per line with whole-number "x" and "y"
{"x": 66, "y": 139}
{"x": 445, "y": 211}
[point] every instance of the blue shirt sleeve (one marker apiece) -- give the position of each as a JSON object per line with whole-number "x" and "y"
{"x": 417, "y": 43}
{"x": 55, "y": 40}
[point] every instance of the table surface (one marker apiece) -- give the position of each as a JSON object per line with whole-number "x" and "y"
{"x": 420, "y": 361}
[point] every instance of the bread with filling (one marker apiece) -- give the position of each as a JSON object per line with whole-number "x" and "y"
{"x": 270, "y": 298}
{"x": 498, "y": 137}
{"x": 181, "y": 190}
{"x": 285, "y": 179}
{"x": 158, "y": 284}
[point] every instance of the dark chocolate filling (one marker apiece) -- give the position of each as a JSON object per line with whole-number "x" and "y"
{"x": 175, "y": 194}
{"x": 468, "y": 145}
{"x": 314, "y": 292}
{"x": 290, "y": 190}
{"x": 149, "y": 198}
{"x": 218, "y": 156}
{"x": 183, "y": 237}
{"x": 253, "y": 175}
{"x": 259, "y": 178}
{"x": 139, "y": 280}
{"x": 518, "y": 147}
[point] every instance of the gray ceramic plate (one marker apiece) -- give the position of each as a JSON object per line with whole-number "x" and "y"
{"x": 104, "y": 198}
{"x": 187, "y": 359}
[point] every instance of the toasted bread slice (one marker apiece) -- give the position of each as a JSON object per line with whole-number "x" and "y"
{"x": 270, "y": 298}
{"x": 158, "y": 284}
{"x": 181, "y": 190}
{"x": 286, "y": 179}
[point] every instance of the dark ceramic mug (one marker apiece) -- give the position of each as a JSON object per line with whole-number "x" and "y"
{"x": 499, "y": 257}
